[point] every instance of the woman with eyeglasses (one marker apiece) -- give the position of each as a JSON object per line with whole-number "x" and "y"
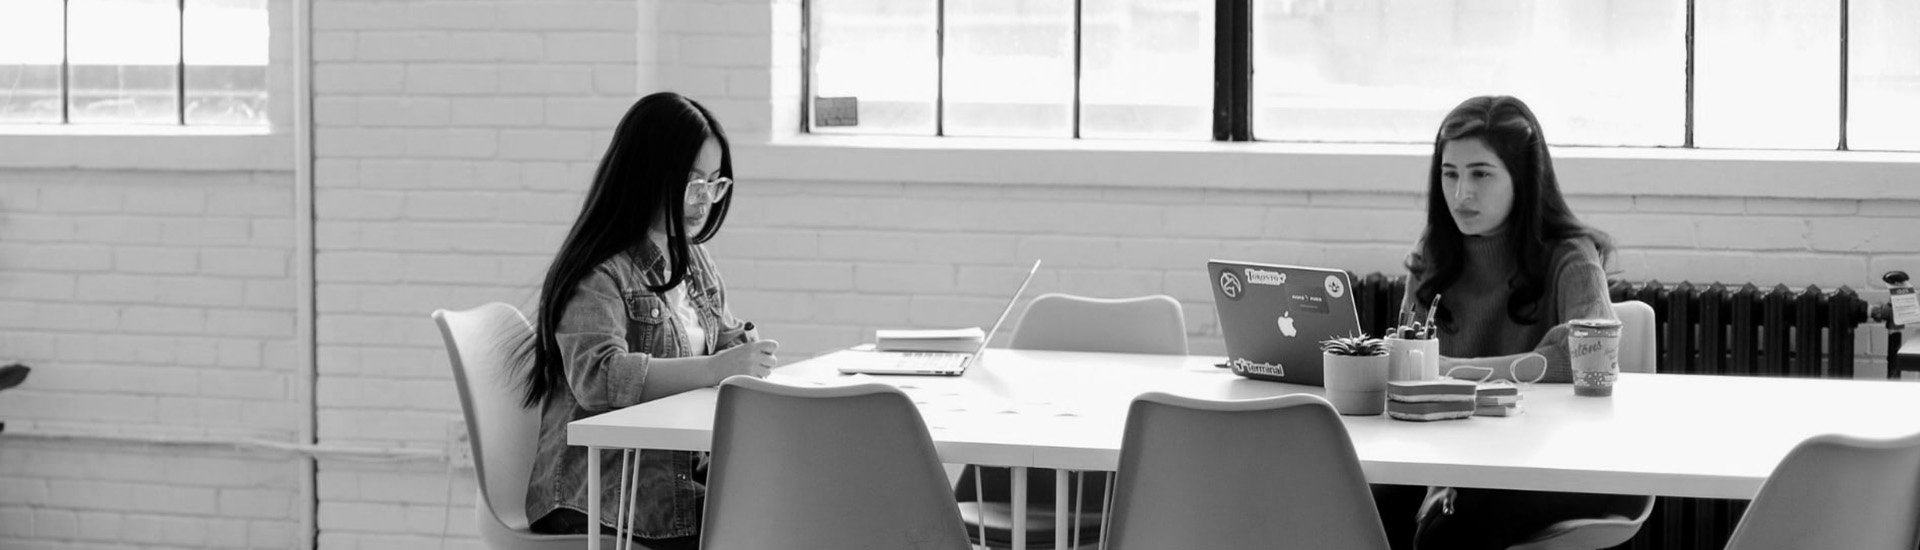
{"x": 632, "y": 310}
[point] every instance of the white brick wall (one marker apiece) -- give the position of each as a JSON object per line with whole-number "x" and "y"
{"x": 147, "y": 303}
{"x": 457, "y": 156}
{"x": 454, "y": 140}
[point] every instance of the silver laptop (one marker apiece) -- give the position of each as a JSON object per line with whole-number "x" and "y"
{"x": 935, "y": 363}
{"x": 1274, "y": 317}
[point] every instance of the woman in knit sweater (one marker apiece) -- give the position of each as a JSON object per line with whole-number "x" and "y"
{"x": 1509, "y": 261}
{"x": 1511, "y": 265}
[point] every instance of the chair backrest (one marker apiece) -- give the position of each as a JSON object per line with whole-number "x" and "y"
{"x": 831, "y": 467}
{"x": 1267, "y": 473}
{"x": 1835, "y": 491}
{"x": 503, "y": 434}
{"x": 1064, "y": 322}
{"x": 1637, "y": 349}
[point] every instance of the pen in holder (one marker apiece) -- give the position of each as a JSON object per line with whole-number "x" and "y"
{"x": 1413, "y": 359}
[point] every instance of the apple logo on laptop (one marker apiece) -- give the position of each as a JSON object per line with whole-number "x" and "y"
{"x": 1286, "y": 325}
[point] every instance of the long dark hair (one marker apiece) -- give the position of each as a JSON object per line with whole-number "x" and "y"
{"x": 1540, "y": 218}
{"x": 642, "y": 176}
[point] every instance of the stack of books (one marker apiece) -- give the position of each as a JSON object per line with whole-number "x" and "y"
{"x": 1428, "y": 400}
{"x": 1496, "y": 400}
{"x": 962, "y": 340}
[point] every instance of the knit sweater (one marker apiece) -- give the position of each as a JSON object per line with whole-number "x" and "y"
{"x": 1576, "y": 288}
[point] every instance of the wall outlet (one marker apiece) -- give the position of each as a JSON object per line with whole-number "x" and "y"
{"x": 459, "y": 447}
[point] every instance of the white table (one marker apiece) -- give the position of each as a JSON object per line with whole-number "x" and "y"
{"x": 1660, "y": 434}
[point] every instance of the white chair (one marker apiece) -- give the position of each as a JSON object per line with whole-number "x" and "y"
{"x": 1637, "y": 345}
{"x": 830, "y": 467}
{"x": 1273, "y": 473}
{"x": 503, "y": 434}
{"x": 1064, "y": 322}
{"x": 1834, "y": 491}
{"x": 1637, "y": 354}
{"x": 1152, "y": 324}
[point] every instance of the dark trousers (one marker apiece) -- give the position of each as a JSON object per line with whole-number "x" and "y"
{"x": 1485, "y": 518}
{"x": 564, "y": 521}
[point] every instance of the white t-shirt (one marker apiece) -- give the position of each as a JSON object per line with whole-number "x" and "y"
{"x": 696, "y": 336}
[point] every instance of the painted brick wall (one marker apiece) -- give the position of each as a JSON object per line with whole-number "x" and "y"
{"x": 452, "y": 139}
{"x": 823, "y": 264}
{"x": 147, "y": 303}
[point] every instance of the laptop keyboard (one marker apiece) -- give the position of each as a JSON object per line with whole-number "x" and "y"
{"x": 929, "y": 361}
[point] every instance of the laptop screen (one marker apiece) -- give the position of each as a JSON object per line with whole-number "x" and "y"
{"x": 1273, "y": 317}
{"x": 1006, "y": 310}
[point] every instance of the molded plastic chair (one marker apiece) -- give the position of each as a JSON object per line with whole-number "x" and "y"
{"x": 1834, "y": 491}
{"x": 1637, "y": 354}
{"x": 1063, "y": 322}
{"x": 503, "y": 434}
{"x": 1273, "y": 473}
{"x": 830, "y": 467}
{"x": 1637, "y": 349}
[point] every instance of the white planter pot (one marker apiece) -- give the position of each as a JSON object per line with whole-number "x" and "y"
{"x": 1356, "y": 385}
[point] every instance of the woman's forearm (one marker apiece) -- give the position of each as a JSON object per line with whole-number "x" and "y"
{"x": 670, "y": 376}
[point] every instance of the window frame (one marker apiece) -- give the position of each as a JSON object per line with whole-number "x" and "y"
{"x": 179, "y": 78}
{"x": 1233, "y": 70}
{"x": 172, "y": 147}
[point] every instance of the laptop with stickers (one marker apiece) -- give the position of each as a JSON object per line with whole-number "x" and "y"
{"x": 1274, "y": 317}
{"x": 935, "y": 363}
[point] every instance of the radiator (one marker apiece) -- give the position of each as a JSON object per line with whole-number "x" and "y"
{"x": 1749, "y": 331}
{"x": 1711, "y": 329}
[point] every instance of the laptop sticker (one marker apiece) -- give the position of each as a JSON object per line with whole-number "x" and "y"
{"x": 1335, "y": 288}
{"x": 1264, "y": 277}
{"x": 1243, "y": 367}
{"x": 1309, "y": 297}
{"x": 1230, "y": 285}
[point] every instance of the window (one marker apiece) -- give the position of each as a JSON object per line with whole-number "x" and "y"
{"x": 1786, "y": 74}
{"x": 1387, "y": 71}
{"x": 1767, "y": 74}
{"x": 198, "y": 62}
{"x": 1012, "y": 68}
{"x": 1883, "y": 75}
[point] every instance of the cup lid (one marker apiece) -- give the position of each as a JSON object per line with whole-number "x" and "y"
{"x": 1595, "y": 323}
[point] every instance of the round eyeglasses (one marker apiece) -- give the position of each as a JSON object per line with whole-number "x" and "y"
{"x": 708, "y": 191}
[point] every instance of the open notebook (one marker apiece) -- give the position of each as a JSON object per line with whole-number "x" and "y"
{"x": 931, "y": 362}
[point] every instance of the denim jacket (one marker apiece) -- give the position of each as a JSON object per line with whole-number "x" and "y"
{"x": 611, "y": 329}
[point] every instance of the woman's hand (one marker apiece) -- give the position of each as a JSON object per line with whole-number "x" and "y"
{"x": 752, "y": 358}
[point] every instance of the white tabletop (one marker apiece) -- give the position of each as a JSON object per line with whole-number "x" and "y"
{"x": 1675, "y": 435}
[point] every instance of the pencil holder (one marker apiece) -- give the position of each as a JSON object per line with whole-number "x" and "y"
{"x": 1415, "y": 359}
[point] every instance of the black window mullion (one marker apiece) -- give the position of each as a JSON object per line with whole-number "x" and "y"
{"x": 1687, "y": 138}
{"x": 1845, "y": 21}
{"x": 66, "y": 66}
{"x": 180, "y": 69}
{"x": 1232, "y": 70}
{"x": 806, "y": 66}
{"x": 1077, "y": 25}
